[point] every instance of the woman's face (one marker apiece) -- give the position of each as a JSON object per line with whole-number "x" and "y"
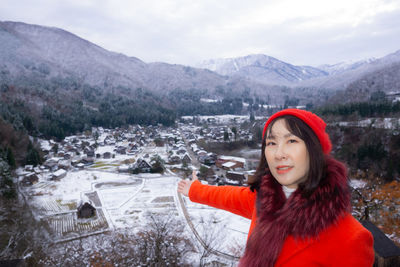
{"x": 286, "y": 155}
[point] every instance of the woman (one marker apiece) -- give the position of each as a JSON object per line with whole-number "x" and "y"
{"x": 299, "y": 202}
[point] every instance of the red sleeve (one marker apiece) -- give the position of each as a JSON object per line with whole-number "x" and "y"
{"x": 235, "y": 199}
{"x": 357, "y": 249}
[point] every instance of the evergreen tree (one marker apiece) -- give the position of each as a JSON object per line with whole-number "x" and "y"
{"x": 32, "y": 156}
{"x": 252, "y": 118}
{"x": 234, "y": 131}
{"x": 157, "y": 165}
{"x": 226, "y": 136}
{"x": 10, "y": 158}
{"x": 7, "y": 187}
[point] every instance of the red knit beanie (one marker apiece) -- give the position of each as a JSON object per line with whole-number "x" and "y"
{"x": 312, "y": 120}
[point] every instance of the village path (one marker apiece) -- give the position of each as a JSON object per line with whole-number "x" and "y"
{"x": 195, "y": 162}
{"x": 184, "y": 212}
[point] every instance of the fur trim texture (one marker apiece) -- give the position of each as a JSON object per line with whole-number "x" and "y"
{"x": 297, "y": 216}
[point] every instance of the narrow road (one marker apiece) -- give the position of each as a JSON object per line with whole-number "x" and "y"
{"x": 198, "y": 237}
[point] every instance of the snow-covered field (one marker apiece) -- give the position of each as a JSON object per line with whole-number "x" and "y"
{"x": 122, "y": 201}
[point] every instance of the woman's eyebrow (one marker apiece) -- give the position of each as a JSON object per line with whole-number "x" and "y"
{"x": 271, "y": 136}
{"x": 288, "y": 135}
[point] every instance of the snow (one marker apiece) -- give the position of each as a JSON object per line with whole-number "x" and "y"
{"x": 233, "y": 158}
{"x": 229, "y": 164}
{"x": 60, "y": 172}
{"x": 357, "y": 183}
{"x": 122, "y": 201}
{"x": 45, "y": 145}
{"x": 208, "y": 100}
{"x": 385, "y": 123}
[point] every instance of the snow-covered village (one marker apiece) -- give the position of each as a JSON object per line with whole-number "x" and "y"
{"x": 105, "y": 180}
{"x": 148, "y": 134}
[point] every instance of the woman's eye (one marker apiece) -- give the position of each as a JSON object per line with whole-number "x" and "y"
{"x": 292, "y": 141}
{"x": 270, "y": 143}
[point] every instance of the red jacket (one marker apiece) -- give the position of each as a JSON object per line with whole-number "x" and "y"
{"x": 345, "y": 243}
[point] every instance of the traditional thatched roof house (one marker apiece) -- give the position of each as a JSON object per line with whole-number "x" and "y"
{"x": 174, "y": 159}
{"x": 186, "y": 159}
{"x": 107, "y": 155}
{"x": 85, "y": 209}
{"x": 30, "y": 179}
{"x": 143, "y": 166}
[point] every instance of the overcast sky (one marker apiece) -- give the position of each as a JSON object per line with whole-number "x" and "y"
{"x": 306, "y": 32}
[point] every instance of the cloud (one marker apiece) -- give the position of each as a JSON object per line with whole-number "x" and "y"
{"x": 308, "y": 32}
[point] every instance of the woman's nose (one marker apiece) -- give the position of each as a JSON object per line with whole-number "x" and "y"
{"x": 280, "y": 152}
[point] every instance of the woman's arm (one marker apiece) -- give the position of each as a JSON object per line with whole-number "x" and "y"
{"x": 235, "y": 199}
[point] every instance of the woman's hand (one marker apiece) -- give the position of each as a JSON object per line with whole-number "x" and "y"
{"x": 184, "y": 185}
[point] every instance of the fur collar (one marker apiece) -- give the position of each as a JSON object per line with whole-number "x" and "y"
{"x": 298, "y": 216}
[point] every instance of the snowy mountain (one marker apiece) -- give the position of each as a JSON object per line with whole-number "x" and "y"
{"x": 33, "y": 51}
{"x": 46, "y": 53}
{"x": 342, "y": 74}
{"x": 344, "y": 66}
{"x": 385, "y": 79}
{"x": 269, "y": 70}
{"x": 262, "y": 68}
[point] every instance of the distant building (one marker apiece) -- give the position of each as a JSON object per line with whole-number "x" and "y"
{"x": 30, "y": 179}
{"x": 107, "y": 155}
{"x": 143, "y": 166}
{"x": 238, "y": 162}
{"x": 59, "y": 174}
{"x": 236, "y": 176}
{"x": 186, "y": 159}
{"x": 86, "y": 210}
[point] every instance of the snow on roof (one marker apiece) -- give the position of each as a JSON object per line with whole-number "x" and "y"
{"x": 229, "y": 164}
{"x": 233, "y": 158}
{"x": 60, "y": 172}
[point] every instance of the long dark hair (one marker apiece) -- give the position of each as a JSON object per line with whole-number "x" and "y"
{"x": 317, "y": 159}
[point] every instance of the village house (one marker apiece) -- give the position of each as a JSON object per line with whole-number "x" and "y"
{"x": 201, "y": 153}
{"x": 68, "y": 155}
{"x": 186, "y": 159}
{"x": 59, "y": 174}
{"x": 107, "y": 155}
{"x": 174, "y": 159}
{"x": 90, "y": 153}
{"x": 51, "y": 164}
{"x": 64, "y": 164}
{"x": 28, "y": 168}
{"x": 230, "y": 163}
{"x": 181, "y": 150}
{"x": 142, "y": 165}
{"x": 85, "y": 210}
{"x": 87, "y": 160}
{"x": 236, "y": 177}
{"x": 29, "y": 179}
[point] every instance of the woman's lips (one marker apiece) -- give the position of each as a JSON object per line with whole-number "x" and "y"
{"x": 283, "y": 169}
